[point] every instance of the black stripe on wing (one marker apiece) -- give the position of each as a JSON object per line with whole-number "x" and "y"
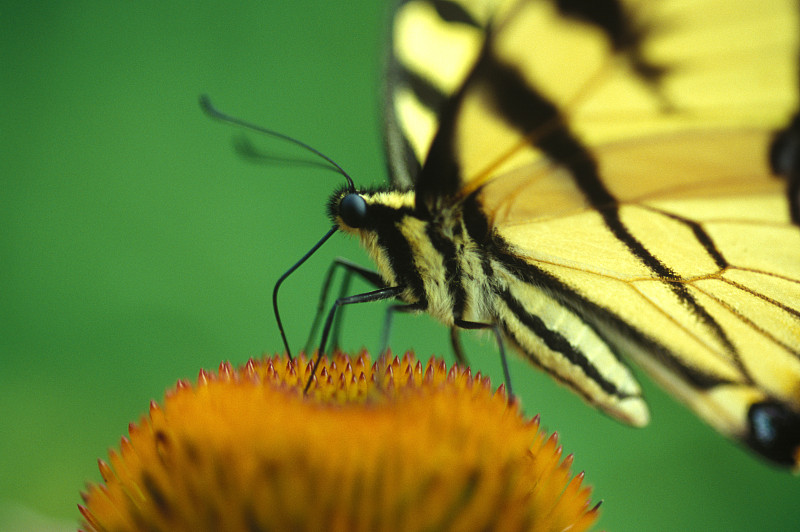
{"x": 558, "y": 343}
{"x": 519, "y": 104}
{"x": 622, "y": 30}
{"x": 477, "y": 226}
{"x": 454, "y": 12}
{"x": 702, "y": 237}
{"x": 511, "y": 337}
{"x": 403, "y": 166}
{"x": 697, "y": 378}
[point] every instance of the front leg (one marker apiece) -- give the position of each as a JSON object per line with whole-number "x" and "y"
{"x": 350, "y": 268}
{"x": 458, "y": 349}
{"x": 375, "y": 295}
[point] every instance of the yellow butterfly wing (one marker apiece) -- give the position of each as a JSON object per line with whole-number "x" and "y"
{"x": 722, "y": 329}
{"x": 637, "y": 68}
{"x": 621, "y": 150}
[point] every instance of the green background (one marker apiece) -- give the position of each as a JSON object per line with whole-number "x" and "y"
{"x": 136, "y": 247}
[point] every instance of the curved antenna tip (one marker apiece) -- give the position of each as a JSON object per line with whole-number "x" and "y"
{"x": 208, "y": 107}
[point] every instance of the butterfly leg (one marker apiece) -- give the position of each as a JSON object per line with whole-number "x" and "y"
{"x": 286, "y": 275}
{"x": 496, "y": 329}
{"x": 350, "y": 268}
{"x": 336, "y": 330}
{"x": 458, "y": 349}
{"x": 375, "y": 295}
{"x": 387, "y": 322}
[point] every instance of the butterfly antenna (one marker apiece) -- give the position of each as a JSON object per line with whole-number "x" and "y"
{"x": 247, "y": 150}
{"x": 213, "y": 112}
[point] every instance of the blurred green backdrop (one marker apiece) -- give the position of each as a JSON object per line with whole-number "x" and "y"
{"x": 136, "y": 247}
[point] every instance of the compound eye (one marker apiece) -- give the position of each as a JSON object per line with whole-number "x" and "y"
{"x": 353, "y": 210}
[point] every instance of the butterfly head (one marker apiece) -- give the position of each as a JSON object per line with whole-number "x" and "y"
{"x": 364, "y": 211}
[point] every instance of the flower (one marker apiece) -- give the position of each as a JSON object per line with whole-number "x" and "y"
{"x": 371, "y": 446}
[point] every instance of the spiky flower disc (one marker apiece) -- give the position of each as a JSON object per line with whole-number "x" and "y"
{"x": 371, "y": 447}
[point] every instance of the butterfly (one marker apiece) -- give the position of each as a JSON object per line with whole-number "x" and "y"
{"x": 594, "y": 181}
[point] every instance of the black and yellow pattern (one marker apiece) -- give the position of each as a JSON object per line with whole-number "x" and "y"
{"x": 593, "y": 177}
